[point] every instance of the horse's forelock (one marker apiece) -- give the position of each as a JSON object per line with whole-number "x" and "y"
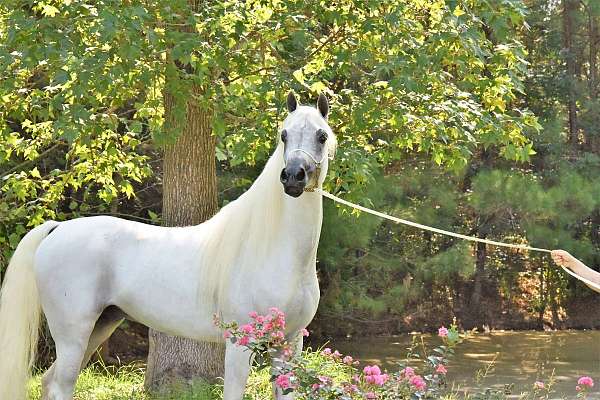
{"x": 304, "y": 113}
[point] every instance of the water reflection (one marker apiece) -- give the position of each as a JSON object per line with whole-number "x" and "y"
{"x": 518, "y": 357}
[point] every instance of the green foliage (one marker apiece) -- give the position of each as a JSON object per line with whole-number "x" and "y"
{"x": 430, "y": 101}
{"x": 82, "y": 89}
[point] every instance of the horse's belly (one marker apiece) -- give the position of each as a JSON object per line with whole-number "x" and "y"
{"x": 163, "y": 294}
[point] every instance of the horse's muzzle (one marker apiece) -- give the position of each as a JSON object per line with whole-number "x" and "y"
{"x": 294, "y": 179}
{"x": 294, "y": 191}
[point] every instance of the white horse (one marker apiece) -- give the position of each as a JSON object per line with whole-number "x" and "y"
{"x": 89, "y": 274}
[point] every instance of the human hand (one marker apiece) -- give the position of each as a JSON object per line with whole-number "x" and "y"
{"x": 564, "y": 259}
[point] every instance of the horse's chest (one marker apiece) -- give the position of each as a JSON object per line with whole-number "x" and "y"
{"x": 296, "y": 295}
{"x": 302, "y": 308}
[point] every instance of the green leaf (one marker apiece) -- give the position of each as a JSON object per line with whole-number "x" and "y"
{"x": 49, "y": 10}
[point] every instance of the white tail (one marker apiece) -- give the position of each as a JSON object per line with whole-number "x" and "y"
{"x": 20, "y": 316}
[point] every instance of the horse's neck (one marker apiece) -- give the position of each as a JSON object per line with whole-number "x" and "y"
{"x": 302, "y": 215}
{"x": 263, "y": 231}
{"x": 279, "y": 217}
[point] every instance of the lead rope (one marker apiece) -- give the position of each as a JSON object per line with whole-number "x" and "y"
{"x": 448, "y": 233}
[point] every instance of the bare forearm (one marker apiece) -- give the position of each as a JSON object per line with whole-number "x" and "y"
{"x": 566, "y": 260}
{"x": 586, "y": 272}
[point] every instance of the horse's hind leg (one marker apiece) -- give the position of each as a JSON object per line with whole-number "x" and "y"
{"x": 106, "y": 324}
{"x": 109, "y": 320}
{"x": 71, "y": 339}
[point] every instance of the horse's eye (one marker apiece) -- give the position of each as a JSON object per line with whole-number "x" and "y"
{"x": 321, "y": 136}
{"x": 283, "y": 135}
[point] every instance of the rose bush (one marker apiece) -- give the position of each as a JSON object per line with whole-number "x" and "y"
{"x": 329, "y": 374}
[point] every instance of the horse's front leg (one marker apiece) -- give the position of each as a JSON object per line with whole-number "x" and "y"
{"x": 237, "y": 369}
{"x": 297, "y": 343}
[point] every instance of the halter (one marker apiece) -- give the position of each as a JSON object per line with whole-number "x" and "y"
{"x": 317, "y": 168}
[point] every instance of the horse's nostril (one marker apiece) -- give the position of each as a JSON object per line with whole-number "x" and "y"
{"x": 284, "y": 176}
{"x": 300, "y": 175}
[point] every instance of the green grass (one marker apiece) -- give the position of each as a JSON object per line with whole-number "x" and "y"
{"x": 98, "y": 382}
{"x": 125, "y": 383}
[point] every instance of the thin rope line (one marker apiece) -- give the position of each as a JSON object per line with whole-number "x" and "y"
{"x": 452, "y": 234}
{"x": 429, "y": 228}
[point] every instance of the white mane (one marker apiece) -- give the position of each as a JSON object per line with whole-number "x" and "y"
{"x": 243, "y": 231}
{"x": 240, "y": 233}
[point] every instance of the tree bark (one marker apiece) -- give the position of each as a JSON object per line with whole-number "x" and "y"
{"x": 480, "y": 258}
{"x": 569, "y": 9}
{"x": 591, "y": 137}
{"x": 593, "y": 55}
{"x": 189, "y": 198}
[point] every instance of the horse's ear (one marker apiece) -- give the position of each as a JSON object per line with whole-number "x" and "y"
{"x": 292, "y": 102}
{"x": 323, "y": 105}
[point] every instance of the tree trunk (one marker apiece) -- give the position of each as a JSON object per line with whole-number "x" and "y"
{"x": 591, "y": 137}
{"x": 593, "y": 55}
{"x": 595, "y": 233}
{"x": 542, "y": 307}
{"x": 480, "y": 258}
{"x": 569, "y": 9}
{"x": 189, "y": 198}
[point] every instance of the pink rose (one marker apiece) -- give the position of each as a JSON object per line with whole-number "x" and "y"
{"x": 326, "y": 351}
{"x": 443, "y": 332}
{"x": 336, "y": 354}
{"x": 283, "y": 381}
{"x": 380, "y": 380}
{"x": 539, "y": 385}
{"x": 348, "y": 360}
{"x": 226, "y": 334}
{"x": 243, "y": 341}
{"x": 247, "y": 329}
{"x": 441, "y": 369}
{"x": 375, "y": 370}
{"x": 277, "y": 335}
{"x": 407, "y": 372}
{"x": 418, "y": 382}
{"x": 585, "y": 381}
{"x": 370, "y": 396}
{"x": 304, "y": 332}
{"x": 253, "y": 314}
{"x": 287, "y": 353}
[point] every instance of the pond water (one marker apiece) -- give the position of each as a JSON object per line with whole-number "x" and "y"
{"x": 511, "y": 357}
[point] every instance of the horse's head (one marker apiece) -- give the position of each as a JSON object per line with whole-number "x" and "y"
{"x": 308, "y": 143}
